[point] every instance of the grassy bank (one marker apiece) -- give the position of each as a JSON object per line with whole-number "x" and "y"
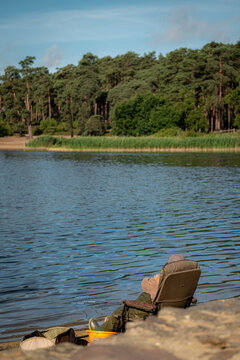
{"x": 214, "y": 142}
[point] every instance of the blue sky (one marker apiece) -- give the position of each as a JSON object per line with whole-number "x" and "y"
{"x": 60, "y": 32}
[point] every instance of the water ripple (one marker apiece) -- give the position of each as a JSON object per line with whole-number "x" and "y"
{"x": 78, "y": 232}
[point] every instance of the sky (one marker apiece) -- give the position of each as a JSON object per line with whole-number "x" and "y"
{"x": 60, "y": 32}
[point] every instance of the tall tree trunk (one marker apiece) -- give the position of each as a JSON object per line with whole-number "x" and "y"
{"x": 27, "y": 100}
{"x": 36, "y": 115}
{"x": 217, "y": 120}
{"x": 105, "y": 111}
{"x": 95, "y": 108}
{"x": 49, "y": 106}
{"x": 220, "y": 121}
{"x": 14, "y": 94}
{"x": 229, "y": 117}
{"x": 71, "y": 124}
{"x": 212, "y": 119}
{"x": 29, "y": 117}
{"x": 220, "y": 80}
{"x": 29, "y": 127}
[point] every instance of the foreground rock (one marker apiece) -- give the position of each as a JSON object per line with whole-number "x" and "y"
{"x": 208, "y": 331}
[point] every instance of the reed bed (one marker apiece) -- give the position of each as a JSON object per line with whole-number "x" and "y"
{"x": 101, "y": 143}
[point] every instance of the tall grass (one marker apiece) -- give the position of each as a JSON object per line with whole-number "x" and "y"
{"x": 204, "y": 142}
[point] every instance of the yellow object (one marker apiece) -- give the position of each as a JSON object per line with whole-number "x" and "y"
{"x": 99, "y": 334}
{"x": 106, "y": 318}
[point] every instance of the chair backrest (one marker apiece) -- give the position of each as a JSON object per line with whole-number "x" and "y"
{"x": 178, "y": 287}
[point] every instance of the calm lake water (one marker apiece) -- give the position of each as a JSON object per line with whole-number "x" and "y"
{"x": 79, "y": 231}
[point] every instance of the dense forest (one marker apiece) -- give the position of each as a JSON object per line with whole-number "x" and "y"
{"x": 194, "y": 90}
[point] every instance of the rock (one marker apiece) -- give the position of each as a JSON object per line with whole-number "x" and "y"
{"x": 207, "y": 331}
{"x": 103, "y": 352}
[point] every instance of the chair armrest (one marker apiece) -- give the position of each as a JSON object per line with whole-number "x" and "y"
{"x": 140, "y": 306}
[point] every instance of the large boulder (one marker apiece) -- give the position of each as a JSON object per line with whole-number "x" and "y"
{"x": 207, "y": 331}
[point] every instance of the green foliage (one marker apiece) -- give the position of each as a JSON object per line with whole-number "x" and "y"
{"x": 27, "y": 62}
{"x": 45, "y": 142}
{"x": 195, "y": 120}
{"x": 48, "y": 126}
{"x": 94, "y": 126}
{"x": 143, "y": 115}
{"x": 169, "y": 132}
{"x": 20, "y": 129}
{"x": 237, "y": 122}
{"x": 12, "y": 116}
{"x": 164, "y": 116}
{"x": 233, "y": 99}
{"x": 150, "y": 143}
{"x": 37, "y": 131}
{"x": 5, "y": 129}
{"x": 196, "y": 90}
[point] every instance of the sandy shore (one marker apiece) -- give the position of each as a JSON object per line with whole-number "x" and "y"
{"x": 13, "y": 143}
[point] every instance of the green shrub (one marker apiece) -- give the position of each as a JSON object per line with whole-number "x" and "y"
{"x": 236, "y": 123}
{"x": 94, "y": 126}
{"x": 196, "y": 121}
{"x": 62, "y": 128}
{"x": 144, "y": 115}
{"x": 5, "y": 129}
{"x": 164, "y": 116}
{"x": 168, "y": 132}
{"x": 43, "y": 141}
{"x": 48, "y": 126}
{"x": 20, "y": 129}
{"x": 37, "y": 131}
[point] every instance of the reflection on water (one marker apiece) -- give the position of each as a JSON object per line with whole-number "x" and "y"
{"x": 78, "y": 231}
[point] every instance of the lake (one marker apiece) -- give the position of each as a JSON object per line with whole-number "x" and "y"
{"x": 79, "y": 231}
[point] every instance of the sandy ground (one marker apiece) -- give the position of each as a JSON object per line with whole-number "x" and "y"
{"x": 13, "y": 143}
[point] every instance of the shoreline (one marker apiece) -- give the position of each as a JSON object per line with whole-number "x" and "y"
{"x": 13, "y": 143}
{"x": 139, "y": 150}
{"x": 208, "y": 330}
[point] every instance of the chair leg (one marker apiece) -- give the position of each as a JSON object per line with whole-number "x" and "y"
{"x": 188, "y": 303}
{"x": 124, "y": 318}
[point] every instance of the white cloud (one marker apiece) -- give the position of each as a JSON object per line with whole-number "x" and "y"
{"x": 183, "y": 26}
{"x": 180, "y": 26}
{"x": 52, "y": 56}
{"x": 170, "y": 24}
{"x": 116, "y": 29}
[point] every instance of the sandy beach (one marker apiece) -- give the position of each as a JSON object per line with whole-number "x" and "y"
{"x": 13, "y": 143}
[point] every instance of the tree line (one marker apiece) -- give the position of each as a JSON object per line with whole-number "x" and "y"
{"x": 197, "y": 90}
